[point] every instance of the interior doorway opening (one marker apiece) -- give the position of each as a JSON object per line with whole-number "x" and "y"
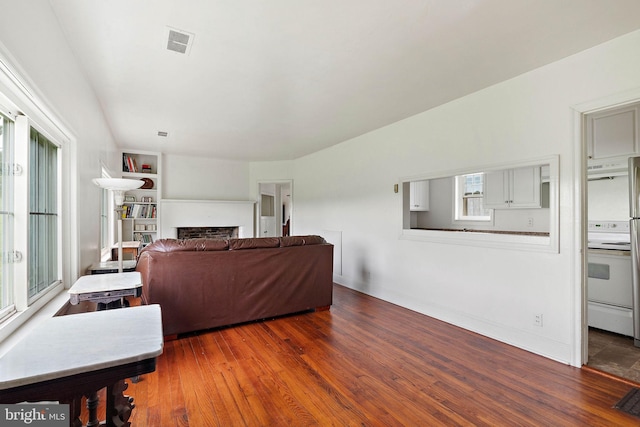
{"x": 608, "y": 307}
{"x": 275, "y": 208}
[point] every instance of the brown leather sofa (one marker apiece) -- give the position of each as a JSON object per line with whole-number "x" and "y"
{"x": 206, "y": 283}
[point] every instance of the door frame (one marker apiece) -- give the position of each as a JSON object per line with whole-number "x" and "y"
{"x": 278, "y": 183}
{"x": 581, "y": 322}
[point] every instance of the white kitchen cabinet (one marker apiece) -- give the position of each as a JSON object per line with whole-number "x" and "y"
{"x": 613, "y": 132}
{"x": 512, "y": 188}
{"x": 419, "y": 195}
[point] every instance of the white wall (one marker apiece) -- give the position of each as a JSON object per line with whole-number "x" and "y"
{"x": 609, "y": 199}
{"x": 33, "y": 43}
{"x": 348, "y": 190}
{"x": 203, "y": 178}
{"x": 206, "y": 213}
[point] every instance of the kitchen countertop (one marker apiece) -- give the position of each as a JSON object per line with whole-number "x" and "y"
{"x": 609, "y": 252}
{"x": 466, "y": 230}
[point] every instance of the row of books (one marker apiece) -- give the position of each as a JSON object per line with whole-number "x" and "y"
{"x": 144, "y": 238}
{"x": 129, "y": 164}
{"x": 139, "y": 211}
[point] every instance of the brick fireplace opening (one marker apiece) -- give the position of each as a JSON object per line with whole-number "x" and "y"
{"x": 218, "y": 233}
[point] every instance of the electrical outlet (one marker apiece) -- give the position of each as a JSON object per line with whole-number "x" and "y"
{"x": 529, "y": 222}
{"x": 537, "y": 320}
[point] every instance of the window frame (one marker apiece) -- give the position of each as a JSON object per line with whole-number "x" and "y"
{"x": 22, "y": 142}
{"x": 7, "y": 307}
{"x": 19, "y": 101}
{"x": 107, "y": 219}
{"x": 458, "y": 199}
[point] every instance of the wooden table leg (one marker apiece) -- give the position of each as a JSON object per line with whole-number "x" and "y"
{"x": 92, "y": 405}
{"x": 119, "y": 406}
{"x": 75, "y": 409}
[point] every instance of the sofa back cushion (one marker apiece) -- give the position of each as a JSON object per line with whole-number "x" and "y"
{"x": 301, "y": 240}
{"x": 254, "y": 243}
{"x": 177, "y": 245}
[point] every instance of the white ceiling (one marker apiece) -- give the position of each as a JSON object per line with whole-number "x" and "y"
{"x": 279, "y": 79}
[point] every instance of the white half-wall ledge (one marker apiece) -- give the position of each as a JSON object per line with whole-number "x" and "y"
{"x": 206, "y": 213}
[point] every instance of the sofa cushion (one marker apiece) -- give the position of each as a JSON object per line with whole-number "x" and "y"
{"x": 177, "y": 245}
{"x": 254, "y": 243}
{"x": 301, "y": 240}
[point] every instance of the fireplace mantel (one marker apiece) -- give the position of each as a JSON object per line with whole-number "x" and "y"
{"x": 206, "y": 213}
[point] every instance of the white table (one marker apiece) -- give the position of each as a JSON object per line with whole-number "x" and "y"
{"x": 106, "y": 288}
{"x": 106, "y": 267}
{"x": 133, "y": 247}
{"x": 54, "y": 362}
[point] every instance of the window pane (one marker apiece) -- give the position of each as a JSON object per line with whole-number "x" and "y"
{"x": 469, "y": 203}
{"x": 104, "y": 219}
{"x": 473, "y": 207}
{"x": 43, "y": 214}
{"x": 473, "y": 184}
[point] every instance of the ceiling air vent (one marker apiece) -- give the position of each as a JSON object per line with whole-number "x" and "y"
{"x": 179, "y": 41}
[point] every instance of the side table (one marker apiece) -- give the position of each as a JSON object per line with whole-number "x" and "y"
{"x": 108, "y": 290}
{"x": 133, "y": 247}
{"x": 112, "y": 267}
{"x": 53, "y": 363}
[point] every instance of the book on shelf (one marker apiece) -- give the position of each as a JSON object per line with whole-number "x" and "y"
{"x": 129, "y": 164}
{"x": 137, "y": 210}
{"x": 143, "y": 237}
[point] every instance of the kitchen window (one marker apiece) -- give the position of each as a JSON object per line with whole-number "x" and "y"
{"x": 469, "y": 193}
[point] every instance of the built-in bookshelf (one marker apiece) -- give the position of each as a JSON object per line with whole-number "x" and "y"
{"x": 140, "y": 217}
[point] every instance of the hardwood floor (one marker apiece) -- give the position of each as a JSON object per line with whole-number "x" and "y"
{"x": 365, "y": 362}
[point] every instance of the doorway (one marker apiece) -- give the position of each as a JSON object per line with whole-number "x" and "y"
{"x": 275, "y": 208}
{"x": 608, "y": 343}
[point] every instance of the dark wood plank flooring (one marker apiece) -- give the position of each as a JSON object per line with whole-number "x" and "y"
{"x": 366, "y": 362}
